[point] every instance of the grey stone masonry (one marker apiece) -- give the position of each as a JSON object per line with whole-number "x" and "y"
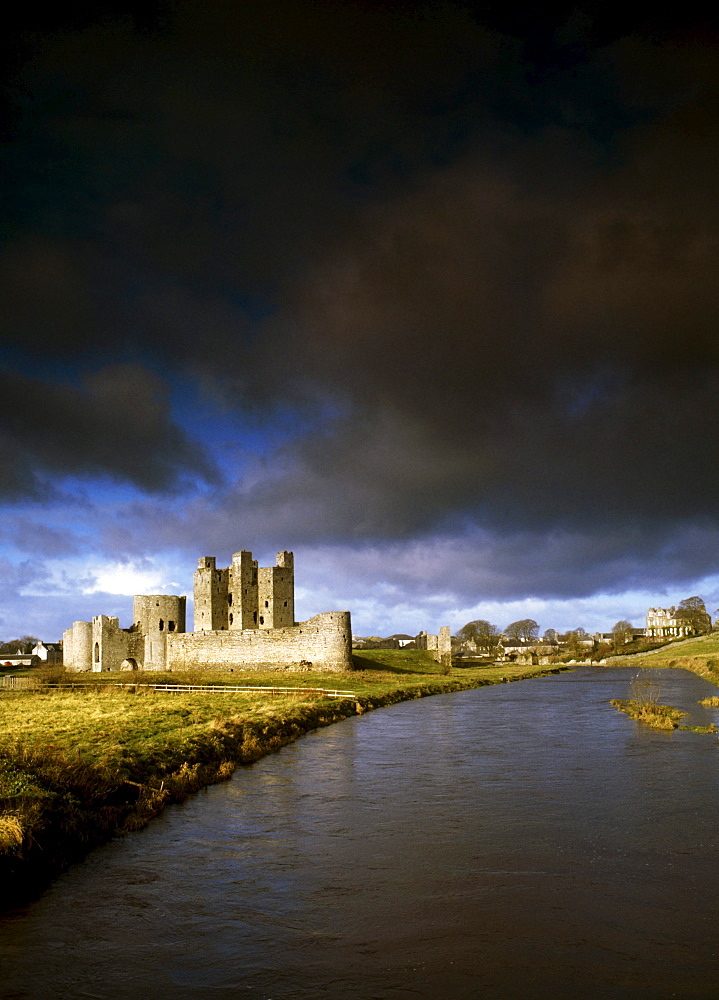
{"x": 276, "y": 593}
{"x": 322, "y": 643}
{"x": 245, "y": 596}
{"x": 210, "y": 595}
{"x": 244, "y": 619}
{"x": 241, "y": 608}
{"x": 440, "y": 646}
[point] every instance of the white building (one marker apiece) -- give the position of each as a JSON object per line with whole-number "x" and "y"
{"x": 662, "y": 623}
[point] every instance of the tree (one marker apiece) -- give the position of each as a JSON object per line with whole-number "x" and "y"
{"x": 526, "y": 629}
{"x": 25, "y": 644}
{"x": 550, "y": 635}
{"x": 622, "y": 633}
{"x": 692, "y": 612}
{"x": 574, "y": 643}
{"x": 602, "y": 650}
{"x": 484, "y": 636}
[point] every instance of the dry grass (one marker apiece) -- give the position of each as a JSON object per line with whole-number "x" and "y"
{"x": 11, "y": 832}
{"x": 651, "y": 714}
{"x": 644, "y": 707}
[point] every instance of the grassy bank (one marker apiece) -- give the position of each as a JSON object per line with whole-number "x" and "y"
{"x": 700, "y": 655}
{"x": 80, "y": 766}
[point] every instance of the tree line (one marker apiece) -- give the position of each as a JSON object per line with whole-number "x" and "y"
{"x": 25, "y": 644}
{"x": 486, "y": 637}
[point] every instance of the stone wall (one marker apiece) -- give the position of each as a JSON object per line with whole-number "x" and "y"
{"x": 102, "y": 645}
{"x": 426, "y": 640}
{"x": 155, "y": 616}
{"x": 242, "y": 592}
{"x": 323, "y": 643}
{"x": 444, "y": 647}
{"x": 109, "y": 643}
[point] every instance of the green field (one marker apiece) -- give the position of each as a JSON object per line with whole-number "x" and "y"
{"x": 700, "y": 655}
{"x": 80, "y": 765}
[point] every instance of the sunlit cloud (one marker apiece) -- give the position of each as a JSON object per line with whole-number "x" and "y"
{"x": 129, "y": 578}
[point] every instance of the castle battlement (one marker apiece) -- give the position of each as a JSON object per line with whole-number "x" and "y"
{"x": 244, "y": 595}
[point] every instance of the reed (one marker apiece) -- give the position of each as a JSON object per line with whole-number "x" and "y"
{"x": 654, "y": 715}
{"x": 644, "y": 707}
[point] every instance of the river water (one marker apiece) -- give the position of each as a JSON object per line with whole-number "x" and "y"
{"x": 524, "y": 840}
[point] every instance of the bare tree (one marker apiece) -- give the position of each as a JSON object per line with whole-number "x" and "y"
{"x": 622, "y": 633}
{"x": 645, "y": 690}
{"x": 526, "y": 629}
{"x": 24, "y": 644}
{"x": 480, "y": 632}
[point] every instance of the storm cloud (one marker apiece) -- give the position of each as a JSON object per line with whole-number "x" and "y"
{"x": 366, "y": 278}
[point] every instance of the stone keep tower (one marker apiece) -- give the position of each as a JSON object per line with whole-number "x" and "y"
{"x": 242, "y": 592}
{"x": 244, "y": 596}
{"x": 276, "y": 593}
{"x": 210, "y": 596}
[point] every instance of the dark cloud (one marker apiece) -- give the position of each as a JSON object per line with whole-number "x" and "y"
{"x": 483, "y": 239}
{"x": 28, "y": 536}
{"x": 482, "y": 566}
{"x": 454, "y": 568}
{"x": 553, "y": 352}
{"x": 116, "y": 424}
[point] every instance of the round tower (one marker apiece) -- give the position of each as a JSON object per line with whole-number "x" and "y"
{"x": 152, "y": 613}
{"x": 81, "y": 646}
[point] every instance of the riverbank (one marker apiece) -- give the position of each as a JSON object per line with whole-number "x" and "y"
{"x": 80, "y": 766}
{"x": 699, "y": 654}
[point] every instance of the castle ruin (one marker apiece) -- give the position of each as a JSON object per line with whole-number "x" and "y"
{"x": 244, "y": 618}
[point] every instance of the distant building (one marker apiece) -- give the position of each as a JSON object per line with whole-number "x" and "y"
{"x": 662, "y": 623}
{"x": 48, "y": 652}
{"x": 516, "y": 650}
{"x": 526, "y": 650}
{"x": 42, "y": 653}
{"x": 19, "y": 659}
{"x": 402, "y": 639}
{"x": 571, "y": 638}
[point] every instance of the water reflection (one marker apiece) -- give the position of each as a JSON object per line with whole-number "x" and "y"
{"x": 525, "y": 840}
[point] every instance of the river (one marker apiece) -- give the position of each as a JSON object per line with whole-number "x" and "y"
{"x": 518, "y": 841}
